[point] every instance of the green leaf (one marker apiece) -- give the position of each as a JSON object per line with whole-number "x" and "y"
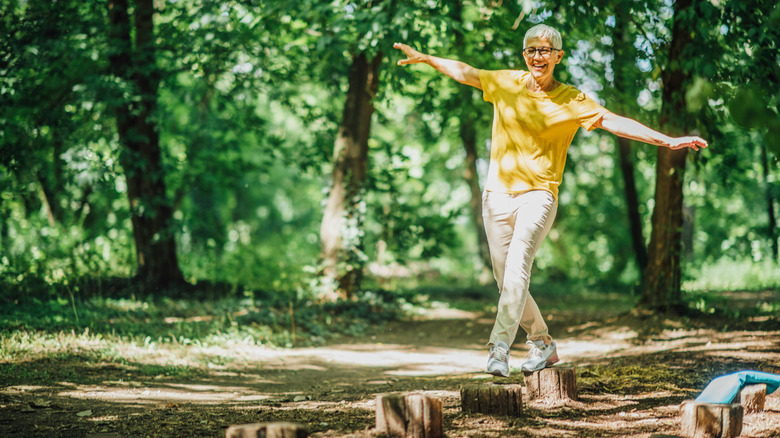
{"x": 748, "y": 108}
{"x": 698, "y": 94}
{"x": 772, "y": 136}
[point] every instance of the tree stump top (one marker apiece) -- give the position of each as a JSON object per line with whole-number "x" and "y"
{"x": 752, "y": 398}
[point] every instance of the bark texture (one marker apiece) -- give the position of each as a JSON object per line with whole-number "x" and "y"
{"x": 552, "y": 385}
{"x": 341, "y": 232}
{"x": 409, "y": 416}
{"x": 663, "y": 276}
{"x": 711, "y": 420}
{"x": 492, "y": 399}
{"x": 141, "y": 158}
{"x": 752, "y": 398}
{"x": 625, "y": 54}
{"x": 468, "y": 136}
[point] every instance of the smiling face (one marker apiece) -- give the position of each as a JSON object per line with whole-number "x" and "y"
{"x": 541, "y": 67}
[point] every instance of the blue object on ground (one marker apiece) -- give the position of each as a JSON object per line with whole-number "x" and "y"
{"x": 724, "y": 389}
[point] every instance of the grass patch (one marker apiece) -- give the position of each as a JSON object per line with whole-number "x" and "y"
{"x": 726, "y": 274}
{"x": 176, "y": 337}
{"x": 626, "y": 380}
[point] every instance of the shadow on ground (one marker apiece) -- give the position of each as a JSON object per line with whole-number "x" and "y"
{"x": 633, "y": 371}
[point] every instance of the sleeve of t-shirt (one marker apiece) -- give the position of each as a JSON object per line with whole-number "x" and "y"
{"x": 487, "y": 79}
{"x": 588, "y": 111}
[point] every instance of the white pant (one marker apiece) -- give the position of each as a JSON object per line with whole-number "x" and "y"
{"x": 516, "y": 225}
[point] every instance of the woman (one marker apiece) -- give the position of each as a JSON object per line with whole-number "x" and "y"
{"x": 534, "y": 121}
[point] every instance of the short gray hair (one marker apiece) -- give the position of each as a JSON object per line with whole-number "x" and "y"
{"x": 544, "y": 31}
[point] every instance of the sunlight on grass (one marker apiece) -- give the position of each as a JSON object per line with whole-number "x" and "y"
{"x": 175, "y": 337}
{"x": 169, "y": 337}
{"x": 22, "y": 351}
{"x": 727, "y": 274}
{"x": 20, "y": 345}
{"x": 185, "y": 337}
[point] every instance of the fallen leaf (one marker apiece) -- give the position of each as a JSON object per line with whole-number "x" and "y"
{"x": 40, "y": 404}
{"x": 86, "y": 413}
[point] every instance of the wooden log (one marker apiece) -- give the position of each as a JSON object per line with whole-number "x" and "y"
{"x": 492, "y": 399}
{"x": 711, "y": 420}
{"x": 266, "y": 430}
{"x": 556, "y": 384}
{"x": 409, "y": 415}
{"x": 752, "y": 398}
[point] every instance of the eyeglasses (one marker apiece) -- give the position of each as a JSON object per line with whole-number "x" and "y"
{"x": 543, "y": 51}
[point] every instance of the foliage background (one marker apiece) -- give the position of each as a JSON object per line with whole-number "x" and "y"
{"x": 250, "y": 99}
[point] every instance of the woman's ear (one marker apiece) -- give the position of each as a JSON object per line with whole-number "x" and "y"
{"x": 560, "y": 56}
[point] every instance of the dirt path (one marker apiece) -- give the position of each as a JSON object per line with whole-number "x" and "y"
{"x": 633, "y": 374}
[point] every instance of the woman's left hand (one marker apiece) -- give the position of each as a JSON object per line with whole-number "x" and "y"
{"x": 687, "y": 142}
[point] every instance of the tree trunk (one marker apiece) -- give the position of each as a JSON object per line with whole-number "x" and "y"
{"x": 770, "y": 205}
{"x": 632, "y": 203}
{"x": 662, "y": 287}
{"x": 46, "y": 201}
{"x": 51, "y": 182}
{"x": 341, "y": 232}
{"x": 468, "y": 135}
{"x": 625, "y": 55}
{"x": 141, "y": 159}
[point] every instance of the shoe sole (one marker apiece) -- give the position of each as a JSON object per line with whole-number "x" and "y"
{"x": 497, "y": 373}
{"x": 551, "y": 361}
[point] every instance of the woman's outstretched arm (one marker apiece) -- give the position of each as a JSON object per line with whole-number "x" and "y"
{"x": 460, "y": 71}
{"x": 630, "y": 128}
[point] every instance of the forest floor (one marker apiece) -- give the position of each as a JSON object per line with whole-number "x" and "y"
{"x": 633, "y": 372}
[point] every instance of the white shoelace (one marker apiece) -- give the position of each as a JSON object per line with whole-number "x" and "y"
{"x": 535, "y": 350}
{"x": 499, "y": 353}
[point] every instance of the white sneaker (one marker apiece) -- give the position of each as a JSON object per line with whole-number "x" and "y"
{"x": 498, "y": 361}
{"x": 540, "y": 356}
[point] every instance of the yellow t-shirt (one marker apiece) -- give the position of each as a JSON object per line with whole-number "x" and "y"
{"x": 532, "y": 131}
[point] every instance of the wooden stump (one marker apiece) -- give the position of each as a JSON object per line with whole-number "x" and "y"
{"x": 266, "y": 430}
{"x": 752, "y": 398}
{"x": 711, "y": 420}
{"x": 556, "y": 384}
{"x": 409, "y": 416}
{"x": 492, "y": 399}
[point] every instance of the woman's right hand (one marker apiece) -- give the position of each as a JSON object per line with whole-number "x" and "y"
{"x": 460, "y": 71}
{"x": 412, "y": 56}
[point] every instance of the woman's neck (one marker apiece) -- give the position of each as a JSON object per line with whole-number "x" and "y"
{"x": 541, "y": 85}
